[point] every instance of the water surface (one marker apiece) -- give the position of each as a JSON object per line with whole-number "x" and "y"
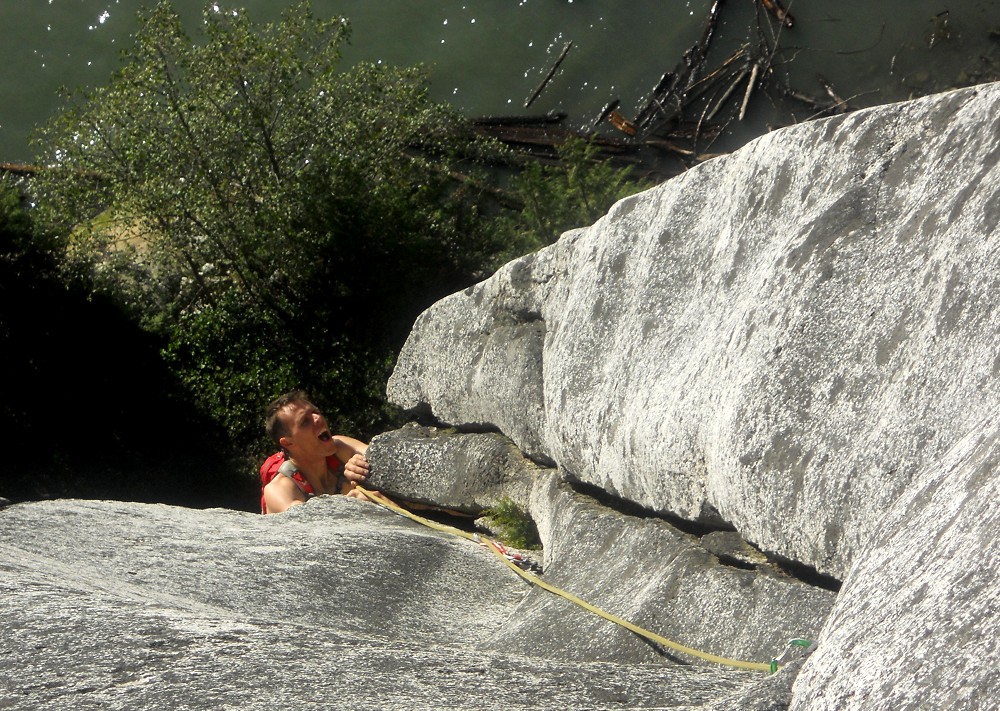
{"x": 486, "y": 56}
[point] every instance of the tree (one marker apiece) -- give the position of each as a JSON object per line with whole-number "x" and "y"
{"x": 575, "y": 192}
{"x": 277, "y": 221}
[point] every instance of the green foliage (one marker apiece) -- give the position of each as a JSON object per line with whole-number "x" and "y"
{"x": 512, "y": 525}
{"x": 573, "y": 193}
{"x": 279, "y": 221}
{"x": 15, "y": 224}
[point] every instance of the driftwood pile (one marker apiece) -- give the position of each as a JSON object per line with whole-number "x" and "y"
{"x": 686, "y": 111}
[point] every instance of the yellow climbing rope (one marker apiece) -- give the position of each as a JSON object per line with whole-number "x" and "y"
{"x": 535, "y": 580}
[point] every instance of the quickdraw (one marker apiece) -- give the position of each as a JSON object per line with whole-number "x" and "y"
{"x": 793, "y": 644}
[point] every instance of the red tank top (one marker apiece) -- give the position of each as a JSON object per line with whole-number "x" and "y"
{"x": 269, "y": 470}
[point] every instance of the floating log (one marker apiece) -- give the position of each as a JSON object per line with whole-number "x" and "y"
{"x": 670, "y": 147}
{"x": 839, "y": 105}
{"x": 780, "y": 13}
{"x": 605, "y": 112}
{"x": 548, "y": 77}
{"x": 750, "y": 86}
{"x": 647, "y": 112}
{"x": 711, "y": 112}
{"x": 540, "y": 135}
{"x": 690, "y": 155}
{"x": 710, "y": 24}
{"x": 692, "y": 131}
{"x": 552, "y": 117}
{"x": 670, "y": 95}
{"x": 19, "y": 168}
{"x": 708, "y": 78}
{"x": 621, "y": 123}
{"x": 540, "y": 139}
{"x": 809, "y": 101}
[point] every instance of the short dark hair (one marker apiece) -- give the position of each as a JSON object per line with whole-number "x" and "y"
{"x": 274, "y": 425}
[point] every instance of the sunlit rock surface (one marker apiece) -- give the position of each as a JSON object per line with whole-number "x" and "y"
{"x": 917, "y": 623}
{"x": 799, "y": 342}
{"x": 782, "y": 337}
{"x": 658, "y": 577}
{"x": 336, "y": 604}
{"x": 774, "y": 373}
{"x": 643, "y": 569}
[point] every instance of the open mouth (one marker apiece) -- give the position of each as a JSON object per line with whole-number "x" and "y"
{"x": 325, "y": 436}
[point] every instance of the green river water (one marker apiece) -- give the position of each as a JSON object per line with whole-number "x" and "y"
{"x": 486, "y": 56}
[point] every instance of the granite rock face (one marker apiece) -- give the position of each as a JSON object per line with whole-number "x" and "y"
{"x": 682, "y": 585}
{"x": 917, "y": 623}
{"x": 461, "y": 472}
{"x": 798, "y": 345}
{"x": 774, "y": 372}
{"x": 337, "y": 604}
{"x": 781, "y": 338}
{"x": 658, "y": 577}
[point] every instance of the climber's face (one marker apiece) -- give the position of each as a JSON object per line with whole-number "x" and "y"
{"x": 309, "y": 434}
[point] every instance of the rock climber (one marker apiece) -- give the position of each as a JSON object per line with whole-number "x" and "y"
{"x": 311, "y": 460}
